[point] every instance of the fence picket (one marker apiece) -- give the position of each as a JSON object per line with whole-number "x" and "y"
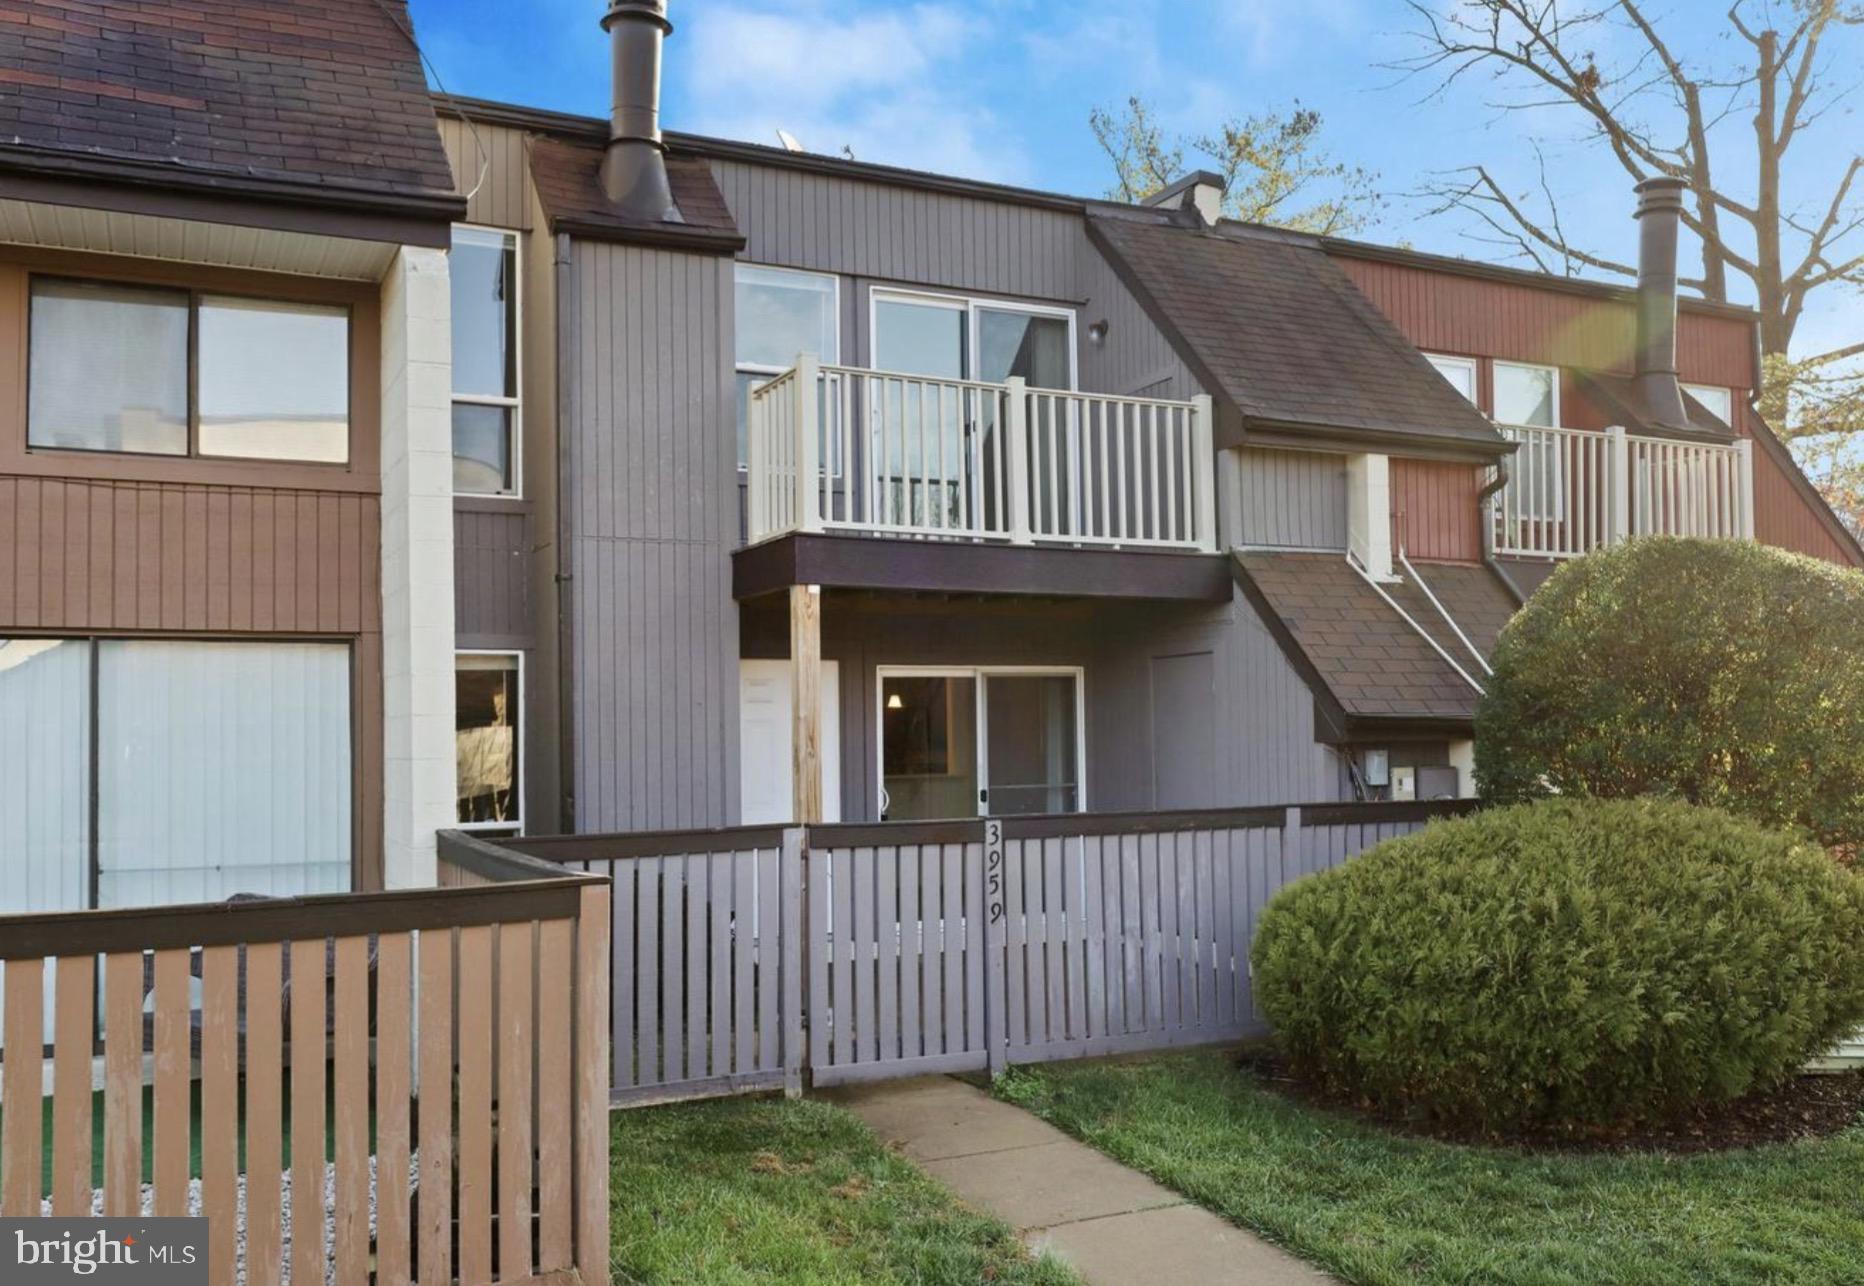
{"x": 350, "y": 1083}
{"x": 123, "y": 1083}
{"x": 516, "y": 1048}
{"x": 22, "y": 1142}
{"x": 394, "y": 1031}
{"x": 219, "y": 1093}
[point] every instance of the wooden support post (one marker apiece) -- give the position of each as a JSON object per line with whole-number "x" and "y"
{"x": 806, "y": 703}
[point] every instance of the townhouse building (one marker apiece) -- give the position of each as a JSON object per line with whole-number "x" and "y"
{"x": 375, "y": 461}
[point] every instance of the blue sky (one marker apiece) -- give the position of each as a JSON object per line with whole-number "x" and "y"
{"x": 1001, "y": 89}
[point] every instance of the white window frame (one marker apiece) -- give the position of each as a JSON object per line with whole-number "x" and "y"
{"x": 1532, "y": 366}
{"x": 514, "y": 404}
{"x": 1469, "y": 364}
{"x": 760, "y": 368}
{"x": 980, "y": 676}
{"x": 969, "y": 305}
{"x": 1528, "y": 507}
{"x": 515, "y": 826}
{"x": 1694, "y": 390}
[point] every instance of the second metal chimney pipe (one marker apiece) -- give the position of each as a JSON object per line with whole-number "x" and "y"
{"x": 634, "y": 170}
{"x": 1659, "y": 215}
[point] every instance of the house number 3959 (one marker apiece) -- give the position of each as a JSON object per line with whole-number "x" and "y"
{"x": 993, "y": 868}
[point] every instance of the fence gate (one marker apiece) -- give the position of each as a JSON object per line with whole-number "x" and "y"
{"x": 912, "y": 948}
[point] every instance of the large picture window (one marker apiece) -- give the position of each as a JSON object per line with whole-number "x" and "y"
{"x": 781, "y": 313}
{"x": 486, "y": 400}
{"x": 209, "y": 768}
{"x": 154, "y": 371}
{"x": 487, "y": 696}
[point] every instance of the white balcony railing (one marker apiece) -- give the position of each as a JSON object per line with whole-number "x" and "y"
{"x": 1570, "y": 491}
{"x": 840, "y": 448}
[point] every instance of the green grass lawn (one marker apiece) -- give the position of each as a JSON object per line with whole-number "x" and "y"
{"x": 1374, "y": 1207}
{"x": 768, "y": 1190}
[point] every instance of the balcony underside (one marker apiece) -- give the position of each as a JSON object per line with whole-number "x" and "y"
{"x": 963, "y": 567}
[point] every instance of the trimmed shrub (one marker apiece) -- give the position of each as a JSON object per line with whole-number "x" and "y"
{"x": 1720, "y": 672}
{"x": 1565, "y": 964}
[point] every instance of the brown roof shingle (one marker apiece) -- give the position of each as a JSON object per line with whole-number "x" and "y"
{"x": 1371, "y": 663}
{"x": 327, "y": 94}
{"x": 1284, "y": 335}
{"x": 569, "y": 184}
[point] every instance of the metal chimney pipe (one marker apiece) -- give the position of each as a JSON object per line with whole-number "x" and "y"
{"x": 1660, "y": 216}
{"x": 634, "y": 170}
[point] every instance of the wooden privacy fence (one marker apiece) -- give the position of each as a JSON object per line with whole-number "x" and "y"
{"x": 746, "y": 958}
{"x": 408, "y": 1083}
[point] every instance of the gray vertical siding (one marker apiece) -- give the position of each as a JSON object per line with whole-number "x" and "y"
{"x": 1264, "y": 747}
{"x": 868, "y": 229}
{"x": 1258, "y": 736}
{"x": 1287, "y": 499}
{"x": 1137, "y": 358}
{"x": 491, "y": 552}
{"x": 649, "y": 500}
{"x": 874, "y": 233}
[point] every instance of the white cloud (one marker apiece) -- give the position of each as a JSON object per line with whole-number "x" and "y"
{"x": 892, "y": 85}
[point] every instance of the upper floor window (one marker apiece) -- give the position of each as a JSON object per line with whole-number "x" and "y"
{"x": 781, "y": 313}
{"x": 486, "y": 406}
{"x": 1460, "y": 371}
{"x": 110, "y": 370}
{"x": 1527, "y": 395}
{"x": 1718, "y": 401}
{"x": 948, "y": 337}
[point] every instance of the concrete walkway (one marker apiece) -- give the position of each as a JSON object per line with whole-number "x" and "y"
{"x": 1113, "y": 1225}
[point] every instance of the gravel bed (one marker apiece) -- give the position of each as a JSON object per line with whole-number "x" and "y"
{"x": 284, "y": 1206}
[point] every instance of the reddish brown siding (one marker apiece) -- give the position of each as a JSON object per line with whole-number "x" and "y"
{"x": 1436, "y": 510}
{"x": 1473, "y": 316}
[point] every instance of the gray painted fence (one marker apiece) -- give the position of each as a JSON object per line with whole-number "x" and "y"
{"x": 907, "y": 948}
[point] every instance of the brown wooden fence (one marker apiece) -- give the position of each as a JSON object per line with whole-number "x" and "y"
{"x": 755, "y": 957}
{"x": 418, "y": 1076}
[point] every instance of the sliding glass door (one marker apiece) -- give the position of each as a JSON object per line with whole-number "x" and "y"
{"x": 978, "y": 741}
{"x": 920, "y": 430}
{"x": 155, "y": 771}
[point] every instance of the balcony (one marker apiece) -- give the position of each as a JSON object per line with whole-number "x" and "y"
{"x": 877, "y": 453}
{"x": 1570, "y": 491}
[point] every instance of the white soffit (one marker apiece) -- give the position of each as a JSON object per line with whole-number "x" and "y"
{"x": 224, "y": 245}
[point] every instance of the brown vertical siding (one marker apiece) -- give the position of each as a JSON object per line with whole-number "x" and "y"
{"x": 104, "y": 557}
{"x": 491, "y": 549}
{"x": 1435, "y": 507}
{"x": 1446, "y": 313}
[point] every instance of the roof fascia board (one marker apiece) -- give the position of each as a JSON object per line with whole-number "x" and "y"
{"x": 1258, "y": 431}
{"x": 142, "y": 188}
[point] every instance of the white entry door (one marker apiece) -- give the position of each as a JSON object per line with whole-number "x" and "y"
{"x": 764, "y": 742}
